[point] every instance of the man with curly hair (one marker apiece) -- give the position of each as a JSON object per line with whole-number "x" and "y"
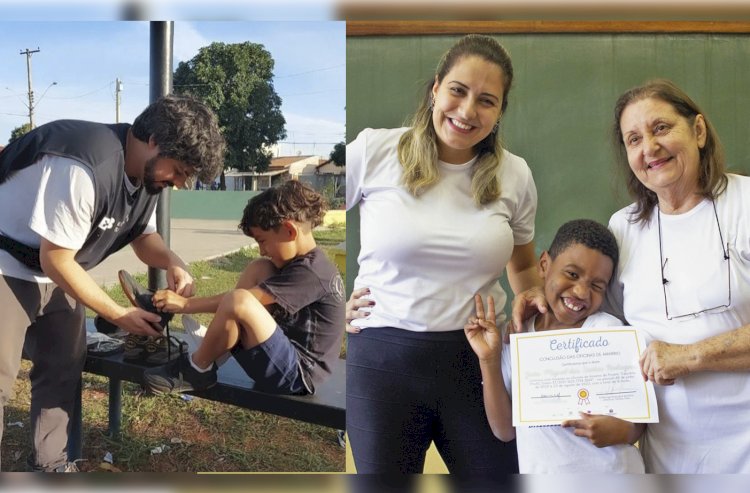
{"x": 283, "y": 321}
{"x": 74, "y": 192}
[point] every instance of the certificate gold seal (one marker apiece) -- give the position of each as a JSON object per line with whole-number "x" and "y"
{"x": 583, "y": 396}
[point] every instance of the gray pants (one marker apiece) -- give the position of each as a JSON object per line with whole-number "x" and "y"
{"x": 48, "y": 325}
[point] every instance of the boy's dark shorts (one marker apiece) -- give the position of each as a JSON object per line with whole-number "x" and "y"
{"x": 273, "y": 365}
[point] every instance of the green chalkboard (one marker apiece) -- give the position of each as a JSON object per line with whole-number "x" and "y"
{"x": 560, "y": 108}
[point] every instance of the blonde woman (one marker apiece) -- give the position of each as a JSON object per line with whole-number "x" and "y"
{"x": 444, "y": 209}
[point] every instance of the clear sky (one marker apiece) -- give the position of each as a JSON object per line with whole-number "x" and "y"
{"x": 85, "y": 59}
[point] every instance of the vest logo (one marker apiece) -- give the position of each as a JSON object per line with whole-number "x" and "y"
{"x": 107, "y": 223}
{"x": 120, "y": 224}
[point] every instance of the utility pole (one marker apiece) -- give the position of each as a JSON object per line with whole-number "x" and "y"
{"x": 118, "y": 90}
{"x": 28, "y": 54}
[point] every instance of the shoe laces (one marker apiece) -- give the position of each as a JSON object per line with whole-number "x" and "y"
{"x": 169, "y": 341}
{"x": 177, "y": 342}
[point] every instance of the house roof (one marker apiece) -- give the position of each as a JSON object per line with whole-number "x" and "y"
{"x": 285, "y": 161}
{"x": 327, "y": 162}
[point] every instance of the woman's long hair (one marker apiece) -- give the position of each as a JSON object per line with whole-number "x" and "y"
{"x": 417, "y": 148}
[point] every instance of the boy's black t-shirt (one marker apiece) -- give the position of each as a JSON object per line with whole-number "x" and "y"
{"x": 309, "y": 309}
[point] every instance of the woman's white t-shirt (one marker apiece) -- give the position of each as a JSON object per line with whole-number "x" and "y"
{"x": 425, "y": 257}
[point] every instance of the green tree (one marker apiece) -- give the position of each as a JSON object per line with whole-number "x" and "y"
{"x": 338, "y": 154}
{"x": 19, "y": 131}
{"x": 235, "y": 80}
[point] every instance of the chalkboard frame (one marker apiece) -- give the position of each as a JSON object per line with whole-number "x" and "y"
{"x": 408, "y": 28}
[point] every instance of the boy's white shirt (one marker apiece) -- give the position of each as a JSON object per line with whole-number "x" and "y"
{"x": 554, "y": 449}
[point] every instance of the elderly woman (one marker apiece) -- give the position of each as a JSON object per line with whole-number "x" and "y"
{"x": 684, "y": 280}
{"x": 444, "y": 210}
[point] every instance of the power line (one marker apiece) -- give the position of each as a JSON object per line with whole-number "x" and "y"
{"x": 191, "y": 85}
{"x": 309, "y": 71}
{"x": 307, "y": 93}
{"x": 108, "y": 84}
{"x": 306, "y": 143}
{"x": 302, "y": 132}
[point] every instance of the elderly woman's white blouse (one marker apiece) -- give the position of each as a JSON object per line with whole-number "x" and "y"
{"x": 705, "y": 417}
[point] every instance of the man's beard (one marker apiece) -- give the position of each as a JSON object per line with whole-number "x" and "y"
{"x": 149, "y": 180}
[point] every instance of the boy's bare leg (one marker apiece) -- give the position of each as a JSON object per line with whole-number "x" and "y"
{"x": 240, "y": 317}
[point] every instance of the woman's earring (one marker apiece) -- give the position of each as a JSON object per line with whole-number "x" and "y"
{"x": 494, "y": 129}
{"x": 432, "y": 103}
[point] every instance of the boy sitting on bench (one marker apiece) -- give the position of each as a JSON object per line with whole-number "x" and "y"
{"x": 283, "y": 321}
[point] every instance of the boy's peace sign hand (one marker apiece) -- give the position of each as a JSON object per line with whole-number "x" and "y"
{"x": 484, "y": 337}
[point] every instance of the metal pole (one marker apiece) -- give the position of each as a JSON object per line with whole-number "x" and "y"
{"x": 160, "y": 84}
{"x": 115, "y": 406}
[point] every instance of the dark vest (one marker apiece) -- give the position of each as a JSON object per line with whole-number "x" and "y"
{"x": 119, "y": 218}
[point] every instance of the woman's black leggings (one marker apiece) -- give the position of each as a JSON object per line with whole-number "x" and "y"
{"x": 405, "y": 389}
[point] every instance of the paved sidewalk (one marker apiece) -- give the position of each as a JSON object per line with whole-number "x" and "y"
{"x": 191, "y": 239}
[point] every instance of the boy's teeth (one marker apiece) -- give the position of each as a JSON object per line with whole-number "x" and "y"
{"x": 572, "y": 306}
{"x": 460, "y": 125}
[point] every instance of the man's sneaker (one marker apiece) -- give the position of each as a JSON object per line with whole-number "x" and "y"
{"x": 135, "y": 347}
{"x": 141, "y": 297}
{"x": 179, "y": 376}
{"x": 152, "y": 351}
{"x": 162, "y": 350}
{"x": 143, "y": 349}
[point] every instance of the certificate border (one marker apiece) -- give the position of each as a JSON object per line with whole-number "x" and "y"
{"x": 533, "y": 335}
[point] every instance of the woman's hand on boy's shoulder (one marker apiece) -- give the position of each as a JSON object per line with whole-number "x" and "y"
{"x": 526, "y": 304}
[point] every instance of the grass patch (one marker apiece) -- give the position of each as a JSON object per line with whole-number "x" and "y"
{"x": 331, "y": 235}
{"x": 201, "y": 435}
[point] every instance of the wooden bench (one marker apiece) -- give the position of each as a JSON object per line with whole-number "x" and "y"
{"x": 327, "y": 407}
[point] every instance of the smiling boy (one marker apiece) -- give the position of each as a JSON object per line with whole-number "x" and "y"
{"x": 576, "y": 271}
{"x": 283, "y": 321}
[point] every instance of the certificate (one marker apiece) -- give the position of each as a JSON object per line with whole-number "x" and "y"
{"x": 558, "y": 373}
